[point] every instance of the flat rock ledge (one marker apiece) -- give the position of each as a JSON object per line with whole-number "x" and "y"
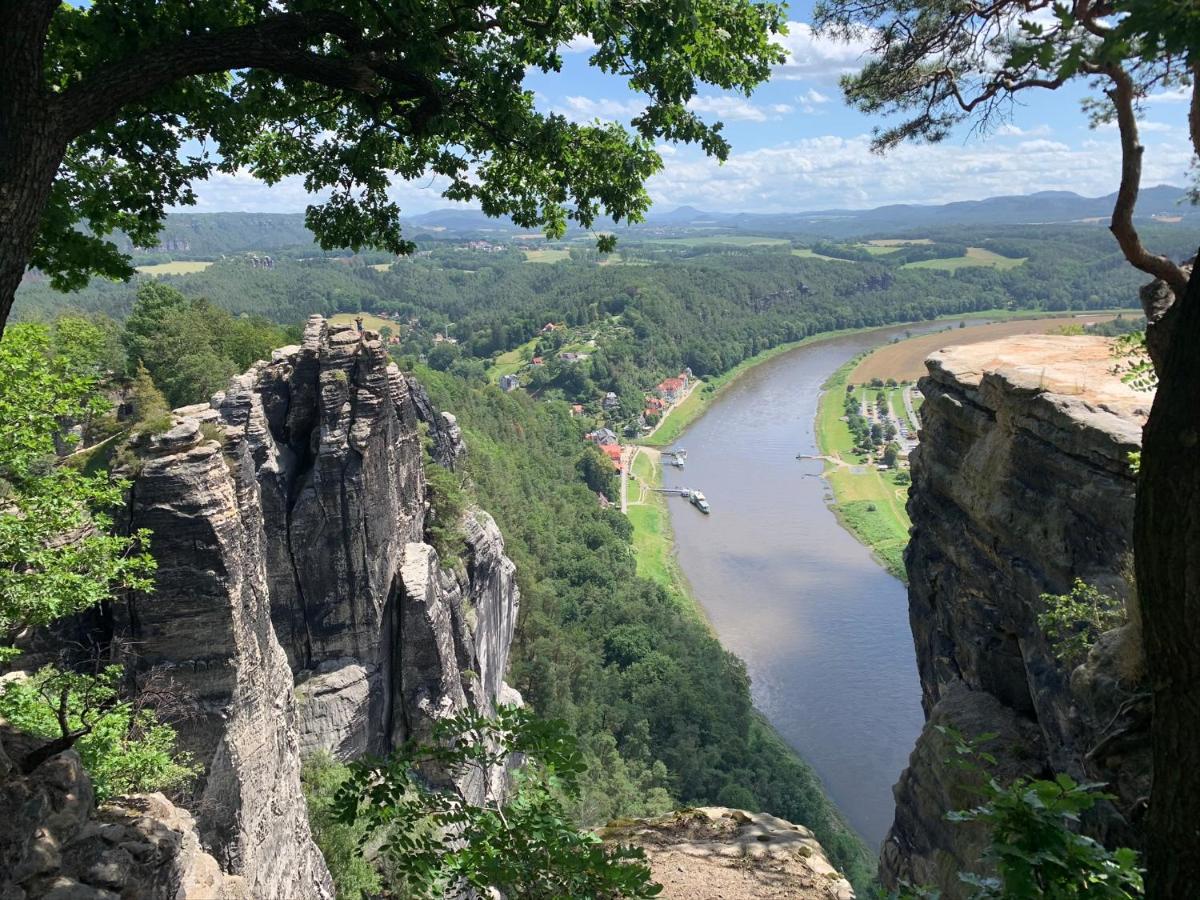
{"x": 716, "y": 853}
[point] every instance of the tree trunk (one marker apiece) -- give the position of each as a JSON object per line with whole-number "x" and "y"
{"x": 1167, "y": 555}
{"x": 32, "y": 142}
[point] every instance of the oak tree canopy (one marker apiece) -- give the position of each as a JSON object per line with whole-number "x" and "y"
{"x": 111, "y": 111}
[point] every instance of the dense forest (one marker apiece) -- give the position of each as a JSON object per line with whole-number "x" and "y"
{"x": 657, "y": 307}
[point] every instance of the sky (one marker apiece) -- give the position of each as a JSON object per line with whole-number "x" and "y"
{"x": 797, "y": 146}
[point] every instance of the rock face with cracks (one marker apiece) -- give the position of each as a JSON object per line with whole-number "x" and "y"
{"x": 1021, "y": 485}
{"x": 296, "y": 606}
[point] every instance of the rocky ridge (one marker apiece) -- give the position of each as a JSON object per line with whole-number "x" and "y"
{"x": 297, "y": 607}
{"x": 1021, "y": 484}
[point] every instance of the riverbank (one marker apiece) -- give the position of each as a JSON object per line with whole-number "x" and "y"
{"x": 868, "y": 503}
{"x": 654, "y": 549}
{"x": 706, "y": 391}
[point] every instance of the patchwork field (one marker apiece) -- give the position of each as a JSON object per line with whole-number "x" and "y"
{"x": 975, "y": 257}
{"x": 177, "y": 267}
{"x": 905, "y": 360}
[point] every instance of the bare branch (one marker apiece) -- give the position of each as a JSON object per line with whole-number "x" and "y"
{"x": 1123, "y": 94}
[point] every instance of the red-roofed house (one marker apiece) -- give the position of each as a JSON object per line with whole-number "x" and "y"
{"x": 670, "y": 389}
{"x": 537, "y": 361}
{"x": 613, "y": 452}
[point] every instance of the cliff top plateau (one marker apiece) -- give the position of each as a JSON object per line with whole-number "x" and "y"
{"x": 714, "y": 853}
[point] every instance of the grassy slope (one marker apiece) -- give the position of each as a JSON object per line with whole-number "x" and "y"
{"x": 868, "y": 502}
{"x": 653, "y": 540}
{"x": 511, "y": 362}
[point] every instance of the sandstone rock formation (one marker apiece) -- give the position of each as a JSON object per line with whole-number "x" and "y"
{"x": 1021, "y": 484}
{"x": 296, "y": 604}
{"x": 714, "y": 853}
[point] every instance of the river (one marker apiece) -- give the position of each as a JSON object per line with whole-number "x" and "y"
{"x": 823, "y": 629}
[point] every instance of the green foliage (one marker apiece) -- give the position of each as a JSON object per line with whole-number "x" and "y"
{"x": 43, "y": 577}
{"x": 124, "y": 748}
{"x": 340, "y": 843}
{"x": 1133, "y": 361}
{"x": 436, "y": 841}
{"x": 1035, "y": 847}
{"x": 189, "y": 346}
{"x": 353, "y": 94}
{"x": 1073, "y": 621}
{"x": 447, "y": 503}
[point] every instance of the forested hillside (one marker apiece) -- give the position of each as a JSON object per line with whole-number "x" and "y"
{"x": 663, "y": 712}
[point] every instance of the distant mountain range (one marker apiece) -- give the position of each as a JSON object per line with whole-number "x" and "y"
{"x": 212, "y": 234}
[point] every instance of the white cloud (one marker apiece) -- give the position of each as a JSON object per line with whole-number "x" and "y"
{"x": 831, "y": 172}
{"x": 729, "y": 108}
{"x": 1010, "y": 130}
{"x": 581, "y": 43}
{"x": 814, "y": 57}
{"x": 1145, "y": 127}
{"x": 585, "y": 109}
{"x": 812, "y": 95}
{"x": 1179, "y": 95}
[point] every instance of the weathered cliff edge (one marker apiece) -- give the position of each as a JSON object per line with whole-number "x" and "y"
{"x": 297, "y": 607}
{"x": 1021, "y": 484}
{"x": 713, "y": 853}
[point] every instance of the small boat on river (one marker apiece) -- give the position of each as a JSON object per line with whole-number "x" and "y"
{"x": 699, "y": 501}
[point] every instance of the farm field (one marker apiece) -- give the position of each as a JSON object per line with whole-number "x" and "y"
{"x": 511, "y": 362}
{"x": 975, "y": 256}
{"x": 177, "y": 267}
{"x": 905, "y": 360}
{"x": 898, "y": 242}
{"x": 374, "y": 323}
{"x": 708, "y": 240}
{"x": 546, "y": 255}
{"x": 808, "y": 253}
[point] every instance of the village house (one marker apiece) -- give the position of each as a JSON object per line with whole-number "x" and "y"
{"x": 549, "y": 327}
{"x": 611, "y": 401}
{"x": 605, "y": 437}
{"x": 577, "y": 409}
{"x": 538, "y": 361}
{"x": 572, "y": 357}
{"x": 671, "y": 389}
{"x": 613, "y": 452}
{"x": 509, "y": 383}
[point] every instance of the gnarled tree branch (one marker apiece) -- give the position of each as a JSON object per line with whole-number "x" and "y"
{"x": 1123, "y": 95}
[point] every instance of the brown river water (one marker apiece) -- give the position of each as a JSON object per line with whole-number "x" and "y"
{"x": 822, "y": 627}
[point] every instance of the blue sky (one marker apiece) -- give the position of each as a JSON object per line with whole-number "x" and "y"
{"x": 797, "y": 146}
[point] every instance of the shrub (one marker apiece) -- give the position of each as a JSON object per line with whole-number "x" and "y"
{"x": 340, "y": 843}
{"x": 1073, "y": 621}
{"x": 440, "y": 843}
{"x": 124, "y": 748}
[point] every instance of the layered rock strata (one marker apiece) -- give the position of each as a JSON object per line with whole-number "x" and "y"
{"x": 296, "y": 605}
{"x": 1021, "y": 485}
